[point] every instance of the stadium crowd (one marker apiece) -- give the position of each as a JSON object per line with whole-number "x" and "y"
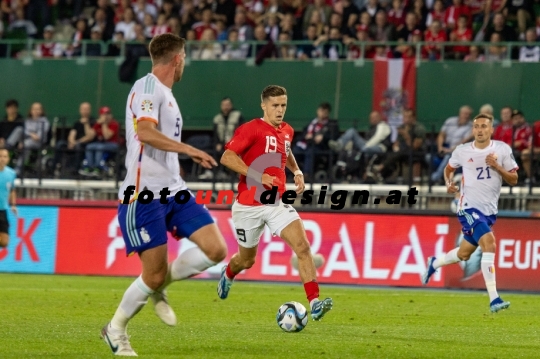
{"x": 329, "y": 28}
{"x": 94, "y": 147}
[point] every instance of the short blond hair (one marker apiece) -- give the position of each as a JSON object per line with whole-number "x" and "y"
{"x": 484, "y": 115}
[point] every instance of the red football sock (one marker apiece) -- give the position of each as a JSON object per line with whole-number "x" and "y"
{"x": 230, "y": 274}
{"x": 312, "y": 290}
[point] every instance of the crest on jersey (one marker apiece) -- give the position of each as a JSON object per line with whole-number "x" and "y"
{"x": 287, "y": 148}
{"x": 144, "y": 235}
{"x": 147, "y": 106}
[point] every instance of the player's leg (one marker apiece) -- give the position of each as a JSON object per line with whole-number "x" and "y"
{"x": 193, "y": 221}
{"x": 487, "y": 264}
{"x": 285, "y": 222}
{"x": 249, "y": 224}
{"x": 4, "y": 229}
{"x": 143, "y": 229}
{"x": 462, "y": 253}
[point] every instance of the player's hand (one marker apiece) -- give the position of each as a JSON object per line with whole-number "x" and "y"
{"x": 299, "y": 182}
{"x": 451, "y": 187}
{"x": 267, "y": 180}
{"x": 203, "y": 158}
{"x": 491, "y": 161}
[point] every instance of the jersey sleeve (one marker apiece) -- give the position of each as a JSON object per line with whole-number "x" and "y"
{"x": 455, "y": 159}
{"x": 145, "y": 105}
{"x": 241, "y": 140}
{"x": 508, "y": 161}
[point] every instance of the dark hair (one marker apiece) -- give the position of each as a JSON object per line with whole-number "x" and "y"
{"x": 164, "y": 46}
{"x": 273, "y": 91}
{"x": 226, "y": 98}
{"x": 12, "y": 102}
{"x": 325, "y": 106}
{"x": 484, "y": 115}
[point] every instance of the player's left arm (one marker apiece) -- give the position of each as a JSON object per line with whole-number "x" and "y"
{"x": 298, "y": 175}
{"x": 508, "y": 169}
{"x": 13, "y": 201}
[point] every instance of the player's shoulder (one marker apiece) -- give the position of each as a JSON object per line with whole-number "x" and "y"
{"x": 252, "y": 124}
{"x": 500, "y": 145}
{"x": 10, "y": 172}
{"x": 148, "y": 85}
{"x": 463, "y": 147}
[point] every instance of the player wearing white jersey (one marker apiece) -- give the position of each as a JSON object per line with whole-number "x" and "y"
{"x": 486, "y": 163}
{"x": 153, "y": 196}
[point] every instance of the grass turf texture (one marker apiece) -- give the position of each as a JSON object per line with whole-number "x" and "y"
{"x": 61, "y": 316}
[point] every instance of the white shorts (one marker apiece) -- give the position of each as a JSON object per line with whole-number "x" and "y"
{"x": 249, "y": 221}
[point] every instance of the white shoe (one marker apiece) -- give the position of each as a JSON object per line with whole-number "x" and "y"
{"x": 119, "y": 343}
{"x": 163, "y": 309}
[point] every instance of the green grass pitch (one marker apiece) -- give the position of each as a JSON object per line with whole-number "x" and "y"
{"x": 45, "y": 316}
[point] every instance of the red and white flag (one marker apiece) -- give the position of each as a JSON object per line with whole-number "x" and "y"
{"x": 394, "y": 84}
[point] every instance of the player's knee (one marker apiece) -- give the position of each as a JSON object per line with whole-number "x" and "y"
{"x": 463, "y": 255}
{"x": 4, "y": 241}
{"x": 302, "y": 250}
{"x": 155, "y": 280}
{"x": 217, "y": 253}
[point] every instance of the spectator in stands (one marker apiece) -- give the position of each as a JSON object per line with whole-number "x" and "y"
{"x": 377, "y": 139}
{"x": 532, "y": 152}
{"x": 496, "y": 52}
{"x": 20, "y": 23}
{"x": 105, "y": 134}
{"x": 207, "y": 51}
{"x": 411, "y": 24}
{"x": 453, "y": 13}
{"x": 313, "y": 142}
{"x": 245, "y": 31}
{"x": 371, "y": 7}
{"x": 94, "y": 49}
{"x": 319, "y": 7}
{"x": 396, "y": 15}
{"x": 474, "y": 55}
{"x": 225, "y": 10}
{"x": 105, "y": 23}
{"x": 127, "y": 25}
{"x": 225, "y": 123}
{"x": 504, "y": 131}
{"x": 161, "y": 26}
{"x": 38, "y": 11}
{"x": 12, "y": 120}
{"x": 354, "y": 51}
{"x": 349, "y": 17}
{"x": 79, "y": 136}
{"x": 522, "y": 133}
{"x": 419, "y": 8}
{"x": 33, "y": 136}
{"x": 286, "y": 51}
{"x": 205, "y": 24}
{"x": 521, "y": 11}
{"x": 462, "y": 33}
{"x": 488, "y": 109}
{"x": 140, "y": 46}
{"x": 455, "y": 131}
{"x": 499, "y": 27}
{"x": 434, "y": 37}
{"x": 530, "y": 53}
{"x": 411, "y": 138}
{"x": 309, "y": 51}
{"x": 332, "y": 45}
{"x": 49, "y": 48}
{"x": 115, "y": 48}
{"x": 234, "y": 49}
{"x": 437, "y": 13}
{"x": 382, "y": 30}
{"x": 141, "y": 8}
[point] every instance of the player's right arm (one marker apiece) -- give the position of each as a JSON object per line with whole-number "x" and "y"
{"x": 239, "y": 143}
{"x": 148, "y": 133}
{"x": 449, "y": 170}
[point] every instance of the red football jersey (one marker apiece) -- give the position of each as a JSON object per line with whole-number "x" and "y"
{"x": 522, "y": 137}
{"x": 256, "y": 138}
{"x": 536, "y": 139}
{"x": 503, "y": 133}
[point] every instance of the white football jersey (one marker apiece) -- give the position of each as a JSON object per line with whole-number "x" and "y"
{"x": 481, "y": 185}
{"x": 147, "y": 167}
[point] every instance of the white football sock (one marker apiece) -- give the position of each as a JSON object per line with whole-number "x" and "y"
{"x": 135, "y": 297}
{"x": 449, "y": 258}
{"x": 188, "y": 264}
{"x": 488, "y": 270}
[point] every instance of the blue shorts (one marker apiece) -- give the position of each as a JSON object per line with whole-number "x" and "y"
{"x": 145, "y": 226}
{"x": 475, "y": 224}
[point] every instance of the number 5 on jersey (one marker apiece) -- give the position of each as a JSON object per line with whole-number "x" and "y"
{"x": 177, "y": 132}
{"x": 271, "y": 144}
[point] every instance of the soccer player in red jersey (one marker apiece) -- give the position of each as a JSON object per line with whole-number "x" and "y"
{"x": 259, "y": 151}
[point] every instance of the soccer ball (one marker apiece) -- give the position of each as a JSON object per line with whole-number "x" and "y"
{"x": 292, "y": 317}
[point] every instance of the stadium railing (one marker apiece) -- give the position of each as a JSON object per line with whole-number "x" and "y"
{"x": 27, "y": 46}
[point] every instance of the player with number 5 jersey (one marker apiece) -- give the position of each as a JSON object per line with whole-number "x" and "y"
{"x": 486, "y": 163}
{"x": 259, "y": 151}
